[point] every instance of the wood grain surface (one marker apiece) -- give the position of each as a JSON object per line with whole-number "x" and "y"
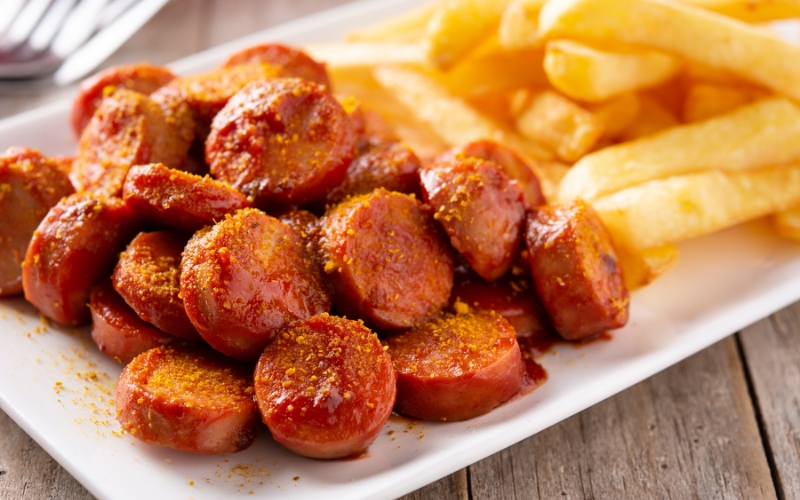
{"x": 724, "y": 423}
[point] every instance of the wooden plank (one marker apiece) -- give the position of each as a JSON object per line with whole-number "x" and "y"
{"x": 771, "y": 350}
{"x": 452, "y": 487}
{"x": 689, "y": 432}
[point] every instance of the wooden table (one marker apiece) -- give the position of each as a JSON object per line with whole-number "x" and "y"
{"x": 723, "y": 424}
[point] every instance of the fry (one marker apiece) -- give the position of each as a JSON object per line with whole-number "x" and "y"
{"x": 459, "y": 26}
{"x": 704, "y": 100}
{"x": 560, "y": 125}
{"x": 787, "y": 223}
{"x": 751, "y": 11}
{"x": 640, "y": 268}
{"x": 519, "y": 25}
{"x": 653, "y": 117}
{"x": 761, "y": 134}
{"x": 616, "y": 114}
{"x": 682, "y": 207}
{"x": 683, "y": 30}
{"x": 358, "y": 55}
{"x": 589, "y": 74}
{"x": 408, "y": 27}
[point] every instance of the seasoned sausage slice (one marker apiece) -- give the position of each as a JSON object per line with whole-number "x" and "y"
{"x": 188, "y": 399}
{"x": 284, "y": 142}
{"x": 178, "y": 199}
{"x": 147, "y": 276}
{"x": 456, "y": 367}
{"x": 116, "y": 329}
{"x": 142, "y": 77}
{"x": 129, "y": 129}
{"x": 289, "y": 61}
{"x": 30, "y": 185}
{"x": 387, "y": 261}
{"x": 480, "y": 208}
{"x": 246, "y": 277}
{"x": 575, "y": 269}
{"x": 325, "y": 387}
{"x": 73, "y": 249}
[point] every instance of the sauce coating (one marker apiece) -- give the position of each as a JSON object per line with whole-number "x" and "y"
{"x": 289, "y": 61}
{"x": 456, "y": 367}
{"x": 387, "y": 261}
{"x": 284, "y": 142}
{"x": 165, "y": 196}
{"x": 576, "y": 272}
{"x": 188, "y": 399}
{"x": 147, "y": 276}
{"x": 325, "y": 387}
{"x": 30, "y": 184}
{"x": 246, "y": 277}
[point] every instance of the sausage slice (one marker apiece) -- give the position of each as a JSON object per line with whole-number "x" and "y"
{"x": 456, "y": 367}
{"x": 284, "y": 142}
{"x": 188, "y": 399}
{"x": 246, "y": 277}
{"x": 325, "y": 387}
{"x": 480, "y": 208}
{"x": 576, "y": 271}
{"x": 30, "y": 185}
{"x": 178, "y": 199}
{"x": 147, "y": 276}
{"x": 387, "y": 261}
{"x": 73, "y": 249}
{"x": 116, "y": 329}
{"x": 289, "y": 61}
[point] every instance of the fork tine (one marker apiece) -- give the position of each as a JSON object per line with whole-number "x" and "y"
{"x": 24, "y": 24}
{"x": 48, "y": 27}
{"x": 78, "y": 27}
{"x": 8, "y": 13}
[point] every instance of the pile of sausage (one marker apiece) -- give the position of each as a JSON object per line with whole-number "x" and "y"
{"x": 254, "y": 248}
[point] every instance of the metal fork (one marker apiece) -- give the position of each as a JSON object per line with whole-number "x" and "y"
{"x": 57, "y": 42}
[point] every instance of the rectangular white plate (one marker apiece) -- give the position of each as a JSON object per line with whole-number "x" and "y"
{"x": 58, "y": 387}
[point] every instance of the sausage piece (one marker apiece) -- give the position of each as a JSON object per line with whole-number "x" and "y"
{"x": 188, "y": 399}
{"x": 387, "y": 261}
{"x": 575, "y": 269}
{"x": 246, "y": 277}
{"x": 480, "y": 208}
{"x": 143, "y": 78}
{"x": 30, "y": 185}
{"x": 178, "y": 199}
{"x": 74, "y": 248}
{"x": 116, "y": 329}
{"x": 129, "y": 129}
{"x": 289, "y": 61}
{"x": 284, "y": 142}
{"x": 147, "y": 276}
{"x": 325, "y": 387}
{"x": 456, "y": 367}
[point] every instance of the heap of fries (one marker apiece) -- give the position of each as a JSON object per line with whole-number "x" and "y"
{"x": 673, "y": 118}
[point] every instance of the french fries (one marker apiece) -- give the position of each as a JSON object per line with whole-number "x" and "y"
{"x": 787, "y": 223}
{"x": 616, "y": 114}
{"x": 682, "y": 207}
{"x": 704, "y": 100}
{"x": 680, "y": 30}
{"x": 519, "y": 25}
{"x": 653, "y": 117}
{"x": 752, "y": 11}
{"x": 761, "y": 134}
{"x": 589, "y": 74}
{"x": 640, "y": 268}
{"x": 355, "y": 57}
{"x": 407, "y": 28}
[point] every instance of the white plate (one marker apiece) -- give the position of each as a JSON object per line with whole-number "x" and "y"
{"x": 58, "y": 387}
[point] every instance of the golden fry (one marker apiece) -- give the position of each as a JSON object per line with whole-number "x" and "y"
{"x": 653, "y": 117}
{"x": 787, "y": 223}
{"x": 519, "y": 25}
{"x": 640, "y": 268}
{"x": 751, "y": 11}
{"x": 616, "y": 114}
{"x": 406, "y": 28}
{"x": 704, "y": 100}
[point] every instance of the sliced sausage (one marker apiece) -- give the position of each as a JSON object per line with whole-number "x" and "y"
{"x": 304, "y": 223}
{"x": 284, "y": 142}
{"x": 30, "y": 185}
{"x": 575, "y": 269}
{"x": 246, "y": 277}
{"x": 512, "y": 164}
{"x": 456, "y": 367}
{"x": 178, "y": 199}
{"x": 481, "y": 209}
{"x": 116, "y": 329}
{"x": 188, "y": 399}
{"x": 147, "y": 276}
{"x": 74, "y": 248}
{"x": 387, "y": 261}
{"x": 325, "y": 387}
{"x": 391, "y": 166}
{"x": 289, "y": 61}
{"x": 142, "y": 77}
{"x": 129, "y": 129}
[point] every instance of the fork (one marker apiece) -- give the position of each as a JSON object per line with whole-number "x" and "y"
{"x": 50, "y": 42}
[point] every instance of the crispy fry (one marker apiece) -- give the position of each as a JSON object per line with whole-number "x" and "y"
{"x": 406, "y": 28}
{"x": 751, "y": 11}
{"x": 678, "y": 208}
{"x": 356, "y": 55}
{"x": 519, "y": 25}
{"x": 787, "y": 223}
{"x": 616, "y": 114}
{"x": 682, "y": 30}
{"x": 653, "y": 117}
{"x": 590, "y": 74}
{"x": 561, "y": 125}
{"x": 704, "y": 100}
{"x": 758, "y": 135}
{"x": 640, "y": 268}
